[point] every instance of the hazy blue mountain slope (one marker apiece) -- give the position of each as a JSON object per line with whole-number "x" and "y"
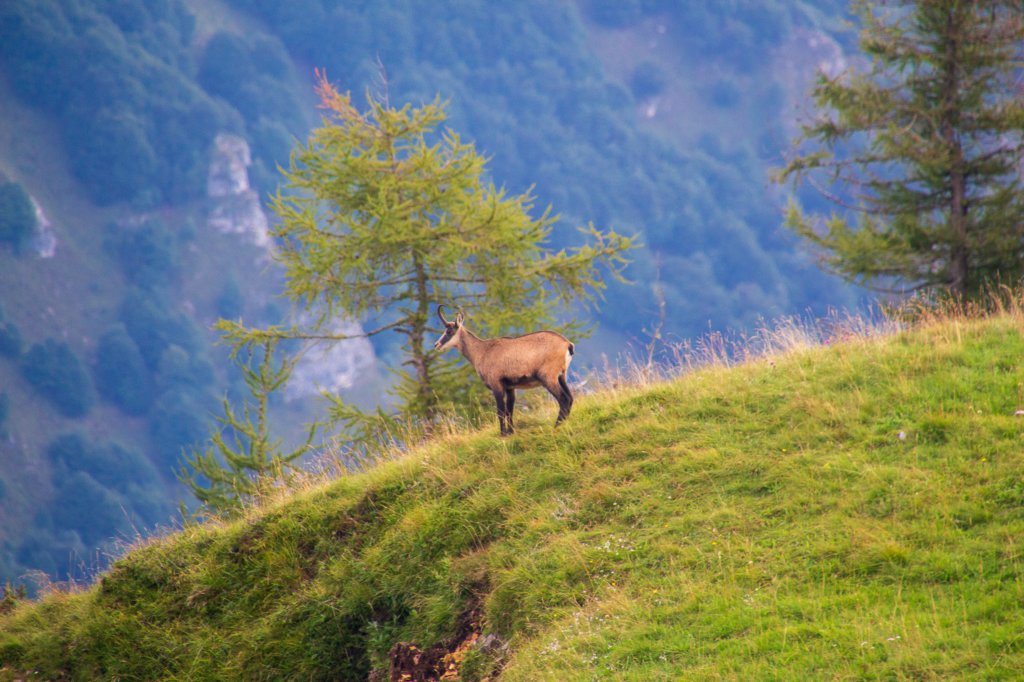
{"x": 528, "y": 83}
{"x": 107, "y": 371}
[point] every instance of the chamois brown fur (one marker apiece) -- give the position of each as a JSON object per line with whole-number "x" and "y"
{"x": 507, "y": 363}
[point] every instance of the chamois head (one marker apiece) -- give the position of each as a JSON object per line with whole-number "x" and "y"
{"x": 449, "y": 338}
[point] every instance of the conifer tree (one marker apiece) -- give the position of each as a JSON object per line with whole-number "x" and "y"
{"x": 384, "y": 217}
{"x": 17, "y": 215}
{"x": 242, "y": 458}
{"x": 921, "y": 150}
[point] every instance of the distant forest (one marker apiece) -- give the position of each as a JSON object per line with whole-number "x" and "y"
{"x": 139, "y": 109}
{"x": 521, "y": 81}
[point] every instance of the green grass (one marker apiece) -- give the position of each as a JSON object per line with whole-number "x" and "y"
{"x": 850, "y": 512}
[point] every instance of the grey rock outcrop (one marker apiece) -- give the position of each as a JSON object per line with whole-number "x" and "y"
{"x": 234, "y": 206}
{"x": 334, "y": 366}
{"x": 44, "y": 241}
{"x": 235, "y": 209}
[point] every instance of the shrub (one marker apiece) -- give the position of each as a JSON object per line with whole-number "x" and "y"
{"x": 179, "y": 420}
{"x": 148, "y": 255}
{"x": 47, "y": 551}
{"x": 148, "y": 505}
{"x": 121, "y": 373}
{"x": 57, "y": 374}
{"x": 110, "y": 475}
{"x": 88, "y": 508}
{"x": 10, "y": 336}
{"x": 111, "y": 465}
{"x": 146, "y": 319}
{"x": 225, "y": 65}
{"x": 17, "y": 216}
{"x": 67, "y": 453}
{"x": 146, "y": 316}
{"x": 112, "y": 156}
{"x": 648, "y": 80}
{"x": 10, "y": 339}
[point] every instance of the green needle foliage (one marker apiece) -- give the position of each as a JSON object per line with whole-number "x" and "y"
{"x": 384, "y": 218}
{"x": 925, "y": 145}
{"x": 242, "y": 459}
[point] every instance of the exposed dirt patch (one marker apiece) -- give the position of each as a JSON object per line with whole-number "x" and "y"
{"x": 410, "y": 663}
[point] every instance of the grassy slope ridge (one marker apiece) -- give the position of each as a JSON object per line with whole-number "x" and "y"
{"x": 766, "y": 521}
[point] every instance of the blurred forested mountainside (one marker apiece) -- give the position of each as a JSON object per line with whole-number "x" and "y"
{"x": 138, "y": 139}
{"x": 657, "y": 116}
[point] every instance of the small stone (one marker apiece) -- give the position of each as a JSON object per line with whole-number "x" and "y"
{"x": 490, "y": 643}
{"x": 1019, "y": 413}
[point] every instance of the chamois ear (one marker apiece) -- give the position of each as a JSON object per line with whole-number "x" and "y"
{"x": 459, "y": 317}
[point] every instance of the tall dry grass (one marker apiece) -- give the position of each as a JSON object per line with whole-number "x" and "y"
{"x": 659, "y": 359}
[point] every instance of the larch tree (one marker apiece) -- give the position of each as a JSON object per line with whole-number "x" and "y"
{"x": 242, "y": 460}
{"x": 382, "y": 217}
{"x": 920, "y": 150}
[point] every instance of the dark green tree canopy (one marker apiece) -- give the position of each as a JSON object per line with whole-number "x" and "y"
{"x": 925, "y": 145}
{"x": 120, "y": 372}
{"x": 17, "y": 215}
{"x": 55, "y": 371}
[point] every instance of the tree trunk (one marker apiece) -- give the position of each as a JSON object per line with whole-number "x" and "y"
{"x": 958, "y": 252}
{"x": 958, "y": 256}
{"x": 418, "y": 329}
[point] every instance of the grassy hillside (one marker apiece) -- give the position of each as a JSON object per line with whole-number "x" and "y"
{"x": 852, "y": 511}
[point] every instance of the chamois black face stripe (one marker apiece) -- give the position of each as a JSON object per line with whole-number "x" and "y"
{"x": 449, "y": 332}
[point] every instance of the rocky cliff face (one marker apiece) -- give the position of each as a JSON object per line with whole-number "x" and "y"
{"x": 44, "y": 241}
{"x": 235, "y": 209}
{"x": 234, "y": 206}
{"x": 332, "y": 367}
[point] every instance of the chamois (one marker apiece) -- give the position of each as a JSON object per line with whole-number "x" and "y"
{"x": 505, "y": 364}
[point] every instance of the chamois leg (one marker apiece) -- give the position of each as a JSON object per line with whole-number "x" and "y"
{"x": 564, "y": 384}
{"x": 560, "y": 390}
{"x": 499, "y": 398}
{"x": 510, "y": 404}
{"x": 565, "y": 404}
